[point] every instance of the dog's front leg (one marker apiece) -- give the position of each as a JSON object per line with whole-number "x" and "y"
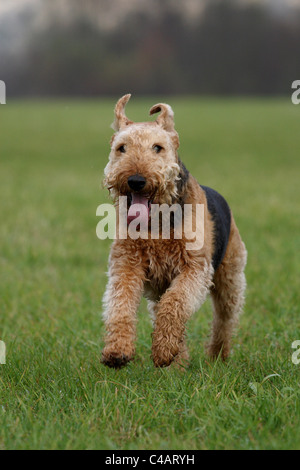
{"x": 185, "y": 295}
{"x": 121, "y": 300}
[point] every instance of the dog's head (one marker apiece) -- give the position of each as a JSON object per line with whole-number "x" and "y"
{"x": 143, "y": 162}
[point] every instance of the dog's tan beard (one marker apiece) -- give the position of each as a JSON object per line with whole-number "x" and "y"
{"x": 161, "y": 189}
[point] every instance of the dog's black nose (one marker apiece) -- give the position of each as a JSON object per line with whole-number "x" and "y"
{"x": 136, "y": 182}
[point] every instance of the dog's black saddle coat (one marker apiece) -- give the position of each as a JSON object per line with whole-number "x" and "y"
{"x": 221, "y": 216}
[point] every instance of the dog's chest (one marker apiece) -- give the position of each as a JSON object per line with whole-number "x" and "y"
{"x": 165, "y": 260}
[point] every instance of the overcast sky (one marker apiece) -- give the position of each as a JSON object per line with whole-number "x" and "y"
{"x": 13, "y": 26}
{"x": 12, "y": 6}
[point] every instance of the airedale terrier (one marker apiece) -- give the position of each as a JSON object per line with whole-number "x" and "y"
{"x": 145, "y": 167}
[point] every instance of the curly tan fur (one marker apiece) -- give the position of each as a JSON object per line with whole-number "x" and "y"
{"x": 174, "y": 280}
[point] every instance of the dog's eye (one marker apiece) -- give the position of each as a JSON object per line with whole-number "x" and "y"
{"x": 157, "y": 148}
{"x": 121, "y": 149}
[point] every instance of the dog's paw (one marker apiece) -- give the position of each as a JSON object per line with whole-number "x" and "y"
{"x": 218, "y": 349}
{"x": 116, "y": 359}
{"x": 164, "y": 354}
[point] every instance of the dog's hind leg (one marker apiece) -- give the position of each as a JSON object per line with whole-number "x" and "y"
{"x": 228, "y": 296}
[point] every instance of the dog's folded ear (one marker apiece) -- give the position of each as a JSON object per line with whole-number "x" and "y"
{"x": 166, "y": 120}
{"x": 121, "y": 120}
{"x": 166, "y": 117}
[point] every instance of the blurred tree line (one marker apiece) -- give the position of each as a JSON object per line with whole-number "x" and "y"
{"x": 227, "y": 49}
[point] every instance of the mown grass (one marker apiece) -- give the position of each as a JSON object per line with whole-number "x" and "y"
{"x": 54, "y": 393}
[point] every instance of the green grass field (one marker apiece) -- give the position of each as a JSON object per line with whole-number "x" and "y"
{"x": 54, "y": 393}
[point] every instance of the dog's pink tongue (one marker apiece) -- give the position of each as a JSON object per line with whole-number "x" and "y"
{"x": 139, "y": 208}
